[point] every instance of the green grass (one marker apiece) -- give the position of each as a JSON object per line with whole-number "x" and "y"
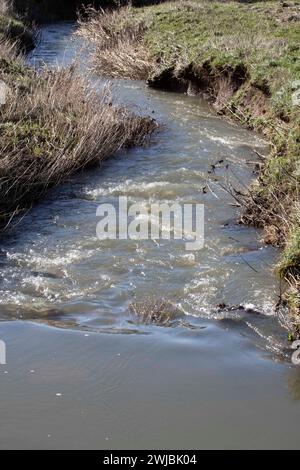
{"x": 291, "y": 259}
{"x": 290, "y": 270}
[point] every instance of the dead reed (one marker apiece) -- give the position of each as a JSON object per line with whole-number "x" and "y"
{"x": 117, "y": 36}
{"x": 157, "y": 311}
{"x": 53, "y": 125}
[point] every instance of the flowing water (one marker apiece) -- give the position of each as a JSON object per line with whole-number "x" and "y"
{"x": 81, "y": 370}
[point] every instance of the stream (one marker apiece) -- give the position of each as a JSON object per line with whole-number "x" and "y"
{"x": 82, "y": 371}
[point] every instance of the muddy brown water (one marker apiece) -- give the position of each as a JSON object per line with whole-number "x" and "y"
{"x": 81, "y": 372}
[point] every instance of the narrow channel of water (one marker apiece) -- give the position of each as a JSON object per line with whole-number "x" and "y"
{"x": 55, "y": 267}
{"x": 209, "y": 381}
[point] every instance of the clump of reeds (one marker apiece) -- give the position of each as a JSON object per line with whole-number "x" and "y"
{"x": 157, "y": 311}
{"x": 8, "y": 53}
{"x": 117, "y": 37}
{"x": 52, "y": 125}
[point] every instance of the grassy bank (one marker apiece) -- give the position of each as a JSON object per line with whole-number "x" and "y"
{"x": 244, "y": 58}
{"x": 14, "y": 28}
{"x": 52, "y": 124}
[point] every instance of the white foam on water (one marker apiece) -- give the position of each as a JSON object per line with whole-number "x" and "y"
{"x": 32, "y": 259}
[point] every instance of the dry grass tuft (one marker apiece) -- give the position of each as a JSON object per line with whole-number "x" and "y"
{"x": 117, "y": 36}
{"x": 159, "y": 312}
{"x": 8, "y": 53}
{"x": 5, "y": 7}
